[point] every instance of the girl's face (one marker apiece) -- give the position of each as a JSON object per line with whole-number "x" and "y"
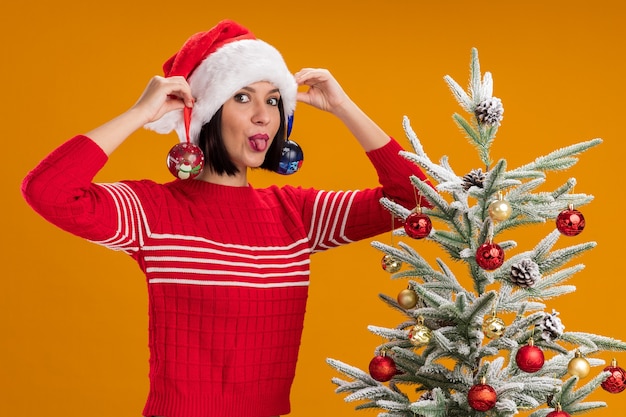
{"x": 250, "y": 120}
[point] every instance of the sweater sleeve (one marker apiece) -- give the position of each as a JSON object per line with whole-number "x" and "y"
{"x": 334, "y": 218}
{"x": 60, "y": 189}
{"x": 394, "y": 175}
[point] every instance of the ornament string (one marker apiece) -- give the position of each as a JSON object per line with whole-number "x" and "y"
{"x": 187, "y": 120}
{"x": 494, "y": 310}
{"x": 417, "y": 200}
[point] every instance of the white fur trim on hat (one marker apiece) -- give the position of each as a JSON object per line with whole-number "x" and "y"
{"x": 221, "y": 74}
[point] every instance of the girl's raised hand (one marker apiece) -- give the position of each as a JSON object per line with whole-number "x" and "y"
{"x": 324, "y": 91}
{"x": 163, "y": 95}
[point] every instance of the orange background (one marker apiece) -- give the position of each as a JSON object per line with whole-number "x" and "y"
{"x": 73, "y": 315}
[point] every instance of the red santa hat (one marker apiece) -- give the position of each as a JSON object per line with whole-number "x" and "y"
{"x": 216, "y": 64}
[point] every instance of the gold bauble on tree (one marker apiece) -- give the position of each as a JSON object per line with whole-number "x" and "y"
{"x": 578, "y": 366}
{"x": 391, "y": 264}
{"x": 407, "y": 298}
{"x": 499, "y": 209}
{"x": 420, "y": 335}
{"x": 494, "y": 327}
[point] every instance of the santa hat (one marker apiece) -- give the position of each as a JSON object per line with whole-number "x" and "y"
{"x": 218, "y": 63}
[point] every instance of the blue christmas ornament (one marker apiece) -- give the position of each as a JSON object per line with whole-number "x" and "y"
{"x": 291, "y": 158}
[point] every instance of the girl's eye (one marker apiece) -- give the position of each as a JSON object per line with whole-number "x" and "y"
{"x": 273, "y": 101}
{"x": 242, "y": 98}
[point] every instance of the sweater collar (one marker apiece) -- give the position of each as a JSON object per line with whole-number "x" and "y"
{"x": 215, "y": 191}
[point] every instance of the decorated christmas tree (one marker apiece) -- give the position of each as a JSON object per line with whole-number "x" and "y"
{"x": 453, "y": 353}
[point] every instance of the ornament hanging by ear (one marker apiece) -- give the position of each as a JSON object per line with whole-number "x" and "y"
{"x": 292, "y": 157}
{"x": 185, "y": 160}
{"x": 289, "y": 125}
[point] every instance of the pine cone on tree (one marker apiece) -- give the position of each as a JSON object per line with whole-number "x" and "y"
{"x": 474, "y": 177}
{"x": 428, "y": 395}
{"x": 551, "y": 327}
{"x": 489, "y": 111}
{"x": 525, "y": 273}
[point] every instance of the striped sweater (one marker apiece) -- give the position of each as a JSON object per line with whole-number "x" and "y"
{"x": 227, "y": 268}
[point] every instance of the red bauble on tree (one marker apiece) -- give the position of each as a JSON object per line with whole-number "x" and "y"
{"x": 558, "y": 412}
{"x": 417, "y": 225}
{"x": 616, "y": 382}
{"x": 530, "y": 358}
{"x": 570, "y": 222}
{"x": 489, "y": 256}
{"x": 382, "y": 368}
{"x": 482, "y": 397}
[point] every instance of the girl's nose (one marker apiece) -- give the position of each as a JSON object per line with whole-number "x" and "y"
{"x": 261, "y": 115}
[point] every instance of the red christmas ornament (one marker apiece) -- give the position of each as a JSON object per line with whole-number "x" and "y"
{"x": 489, "y": 256}
{"x": 382, "y": 368}
{"x": 529, "y": 358}
{"x": 570, "y": 222}
{"x": 558, "y": 412}
{"x": 482, "y": 397}
{"x": 616, "y": 382}
{"x": 185, "y": 160}
{"x": 417, "y": 225}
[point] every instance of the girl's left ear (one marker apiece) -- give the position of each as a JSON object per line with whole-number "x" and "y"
{"x": 292, "y": 157}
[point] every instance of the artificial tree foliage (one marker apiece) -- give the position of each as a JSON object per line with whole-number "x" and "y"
{"x": 433, "y": 380}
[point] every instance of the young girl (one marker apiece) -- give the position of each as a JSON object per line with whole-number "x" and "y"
{"x": 226, "y": 264}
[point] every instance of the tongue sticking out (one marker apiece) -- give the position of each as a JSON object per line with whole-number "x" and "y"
{"x": 258, "y": 145}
